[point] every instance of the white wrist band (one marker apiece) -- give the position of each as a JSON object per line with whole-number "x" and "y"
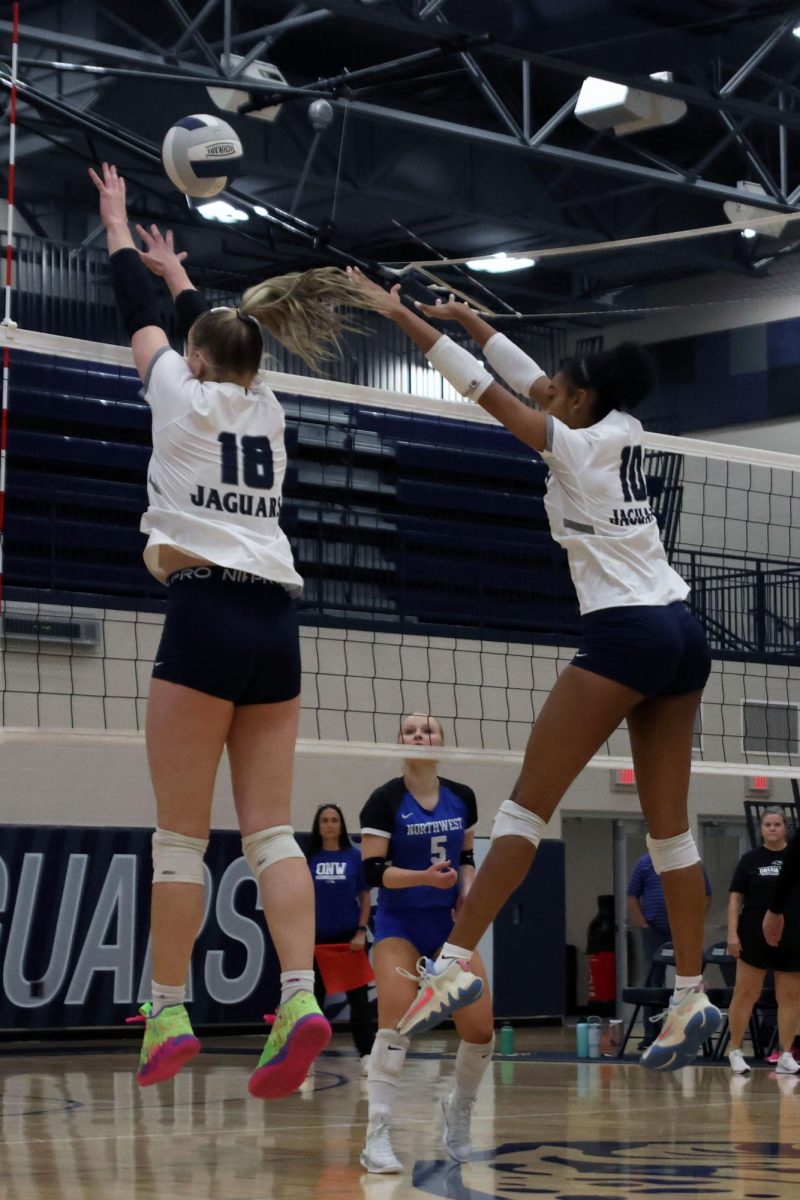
{"x": 512, "y": 364}
{"x": 460, "y": 368}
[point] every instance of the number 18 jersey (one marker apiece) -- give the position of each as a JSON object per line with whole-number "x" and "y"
{"x": 418, "y": 837}
{"x": 598, "y": 509}
{"x": 215, "y": 479}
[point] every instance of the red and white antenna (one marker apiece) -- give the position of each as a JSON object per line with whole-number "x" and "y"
{"x": 8, "y": 323}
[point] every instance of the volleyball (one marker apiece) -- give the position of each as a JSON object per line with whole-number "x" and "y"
{"x": 200, "y": 153}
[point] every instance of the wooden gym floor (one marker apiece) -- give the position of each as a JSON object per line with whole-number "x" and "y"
{"x": 76, "y": 1127}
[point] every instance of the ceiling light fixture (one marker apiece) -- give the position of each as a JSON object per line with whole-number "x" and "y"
{"x": 605, "y": 105}
{"x": 220, "y": 210}
{"x": 499, "y": 264}
{"x": 770, "y": 224}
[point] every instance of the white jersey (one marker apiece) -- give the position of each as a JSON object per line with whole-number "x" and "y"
{"x": 214, "y": 482}
{"x": 598, "y": 510}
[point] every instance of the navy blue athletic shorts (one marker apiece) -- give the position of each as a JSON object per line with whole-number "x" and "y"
{"x": 230, "y": 634}
{"x": 426, "y": 928}
{"x": 658, "y": 649}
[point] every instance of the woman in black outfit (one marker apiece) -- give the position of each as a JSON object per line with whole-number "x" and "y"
{"x": 751, "y": 890}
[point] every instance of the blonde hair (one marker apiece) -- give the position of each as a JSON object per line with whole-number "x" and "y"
{"x": 300, "y": 310}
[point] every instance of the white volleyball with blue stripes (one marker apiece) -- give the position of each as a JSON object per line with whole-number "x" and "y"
{"x": 200, "y": 154}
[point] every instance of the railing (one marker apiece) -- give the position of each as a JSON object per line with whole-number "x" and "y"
{"x": 749, "y": 606}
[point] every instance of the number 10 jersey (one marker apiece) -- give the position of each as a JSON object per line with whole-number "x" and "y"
{"x": 598, "y": 509}
{"x": 215, "y": 478}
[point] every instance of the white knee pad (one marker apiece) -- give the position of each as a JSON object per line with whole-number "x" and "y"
{"x": 513, "y": 820}
{"x": 672, "y": 854}
{"x": 269, "y": 846}
{"x": 387, "y": 1057}
{"x": 177, "y": 858}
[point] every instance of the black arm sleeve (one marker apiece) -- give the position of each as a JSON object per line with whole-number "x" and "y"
{"x": 189, "y": 305}
{"x": 789, "y": 876}
{"x": 133, "y": 291}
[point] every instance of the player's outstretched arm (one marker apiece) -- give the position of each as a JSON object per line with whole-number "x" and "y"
{"x": 132, "y": 287}
{"x": 161, "y": 258}
{"x": 468, "y": 376}
{"x": 516, "y": 368}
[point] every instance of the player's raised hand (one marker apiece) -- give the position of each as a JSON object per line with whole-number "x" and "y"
{"x": 379, "y": 299}
{"x": 113, "y": 207}
{"x": 444, "y": 310}
{"x": 159, "y": 253}
{"x": 441, "y": 875}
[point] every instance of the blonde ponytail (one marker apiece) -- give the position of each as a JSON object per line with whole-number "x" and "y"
{"x": 300, "y": 310}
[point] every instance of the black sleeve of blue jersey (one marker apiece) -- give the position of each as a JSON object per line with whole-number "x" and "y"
{"x": 468, "y": 796}
{"x": 379, "y": 813}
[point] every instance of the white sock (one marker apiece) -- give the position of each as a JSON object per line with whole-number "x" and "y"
{"x": 385, "y": 1067}
{"x": 165, "y": 996}
{"x": 449, "y": 950}
{"x": 684, "y": 984}
{"x": 293, "y": 982}
{"x": 472, "y": 1061}
{"x": 378, "y": 1110}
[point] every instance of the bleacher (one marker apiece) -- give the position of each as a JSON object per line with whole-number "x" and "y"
{"x": 397, "y": 519}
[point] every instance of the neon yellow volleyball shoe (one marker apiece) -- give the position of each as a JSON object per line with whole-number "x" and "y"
{"x": 299, "y": 1034}
{"x": 169, "y": 1043}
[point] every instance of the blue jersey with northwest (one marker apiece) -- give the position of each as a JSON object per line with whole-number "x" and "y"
{"x": 338, "y": 878}
{"x": 418, "y": 838}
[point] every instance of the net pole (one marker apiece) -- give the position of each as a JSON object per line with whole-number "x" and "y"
{"x": 7, "y": 321}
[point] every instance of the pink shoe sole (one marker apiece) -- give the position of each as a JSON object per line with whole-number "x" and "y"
{"x": 168, "y": 1060}
{"x": 288, "y": 1069}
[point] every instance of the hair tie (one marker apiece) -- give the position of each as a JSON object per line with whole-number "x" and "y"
{"x": 243, "y": 316}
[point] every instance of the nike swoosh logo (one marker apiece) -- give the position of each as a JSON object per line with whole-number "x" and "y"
{"x": 158, "y": 664}
{"x": 583, "y": 655}
{"x": 405, "y": 816}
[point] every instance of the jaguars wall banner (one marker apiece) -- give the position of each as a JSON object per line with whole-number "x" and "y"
{"x": 74, "y": 924}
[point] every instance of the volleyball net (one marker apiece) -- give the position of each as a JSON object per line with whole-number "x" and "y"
{"x": 432, "y": 584}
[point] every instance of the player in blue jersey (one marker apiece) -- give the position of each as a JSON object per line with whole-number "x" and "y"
{"x": 417, "y": 845}
{"x": 643, "y": 656}
{"x": 342, "y": 903}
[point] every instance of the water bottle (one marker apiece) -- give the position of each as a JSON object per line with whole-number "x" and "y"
{"x": 615, "y": 1036}
{"x": 582, "y": 1039}
{"x": 594, "y": 1028}
{"x": 506, "y": 1039}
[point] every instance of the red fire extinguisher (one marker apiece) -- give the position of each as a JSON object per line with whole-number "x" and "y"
{"x": 600, "y": 952}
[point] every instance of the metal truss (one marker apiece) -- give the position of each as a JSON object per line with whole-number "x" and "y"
{"x": 192, "y": 59}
